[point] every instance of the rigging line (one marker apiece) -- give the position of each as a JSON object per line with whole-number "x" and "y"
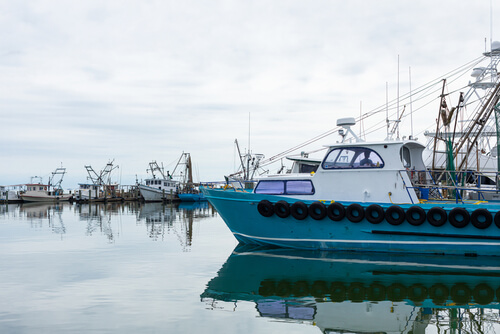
{"x": 462, "y": 71}
{"x": 376, "y": 110}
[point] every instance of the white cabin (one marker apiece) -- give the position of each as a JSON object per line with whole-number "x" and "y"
{"x": 379, "y": 172}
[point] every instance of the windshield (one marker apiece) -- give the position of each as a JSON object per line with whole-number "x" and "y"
{"x": 352, "y": 157}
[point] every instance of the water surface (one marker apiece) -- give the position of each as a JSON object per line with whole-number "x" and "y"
{"x": 153, "y": 268}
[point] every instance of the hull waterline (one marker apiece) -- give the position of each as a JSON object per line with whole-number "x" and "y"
{"x": 239, "y": 210}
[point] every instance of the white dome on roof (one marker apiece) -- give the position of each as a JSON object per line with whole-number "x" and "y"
{"x": 348, "y": 121}
{"x": 477, "y": 72}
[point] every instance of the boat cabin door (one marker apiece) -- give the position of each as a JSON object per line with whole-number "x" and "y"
{"x": 411, "y": 158}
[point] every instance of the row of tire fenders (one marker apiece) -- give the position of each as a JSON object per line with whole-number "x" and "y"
{"x": 395, "y": 215}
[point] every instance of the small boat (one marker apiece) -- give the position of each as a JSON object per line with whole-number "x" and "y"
{"x": 188, "y": 191}
{"x": 10, "y": 194}
{"x": 191, "y": 197}
{"x": 51, "y": 192}
{"x": 87, "y": 191}
{"x": 364, "y": 196}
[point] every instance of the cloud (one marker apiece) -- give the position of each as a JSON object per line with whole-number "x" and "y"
{"x": 146, "y": 80}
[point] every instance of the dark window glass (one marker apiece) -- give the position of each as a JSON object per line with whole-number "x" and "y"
{"x": 305, "y": 168}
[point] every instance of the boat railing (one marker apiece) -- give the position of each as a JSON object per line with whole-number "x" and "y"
{"x": 238, "y": 185}
{"x": 454, "y": 185}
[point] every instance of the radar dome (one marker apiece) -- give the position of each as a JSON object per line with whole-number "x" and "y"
{"x": 348, "y": 121}
{"x": 477, "y": 72}
{"x": 495, "y": 46}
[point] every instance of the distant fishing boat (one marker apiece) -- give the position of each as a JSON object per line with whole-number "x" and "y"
{"x": 10, "y": 194}
{"x": 51, "y": 192}
{"x": 160, "y": 186}
{"x": 101, "y": 187}
{"x": 174, "y": 186}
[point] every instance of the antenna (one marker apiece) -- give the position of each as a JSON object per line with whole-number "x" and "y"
{"x": 360, "y": 119}
{"x": 397, "y": 117}
{"x": 491, "y": 34}
{"x": 387, "y": 106}
{"x": 411, "y": 105}
{"x": 249, "y": 133}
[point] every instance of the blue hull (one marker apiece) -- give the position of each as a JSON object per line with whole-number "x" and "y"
{"x": 240, "y": 212}
{"x": 192, "y": 197}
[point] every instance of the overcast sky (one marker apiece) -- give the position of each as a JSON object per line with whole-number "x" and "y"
{"x": 85, "y": 82}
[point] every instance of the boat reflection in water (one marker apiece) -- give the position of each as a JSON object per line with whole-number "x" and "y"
{"x": 177, "y": 218}
{"x": 359, "y": 292}
{"x": 111, "y": 219}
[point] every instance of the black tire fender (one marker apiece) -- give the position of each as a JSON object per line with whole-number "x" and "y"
{"x": 332, "y": 210}
{"x": 415, "y": 211}
{"x": 282, "y": 209}
{"x": 481, "y": 223}
{"x": 265, "y": 208}
{"x": 374, "y": 213}
{"x": 454, "y": 217}
{"x": 497, "y": 219}
{"x": 352, "y": 209}
{"x": 299, "y": 210}
{"x": 436, "y": 211}
{"x": 317, "y": 210}
{"x": 395, "y": 210}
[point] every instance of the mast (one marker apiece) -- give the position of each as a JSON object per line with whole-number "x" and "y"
{"x": 437, "y": 128}
{"x": 241, "y": 160}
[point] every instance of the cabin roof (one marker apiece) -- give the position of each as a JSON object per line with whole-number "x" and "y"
{"x": 377, "y": 143}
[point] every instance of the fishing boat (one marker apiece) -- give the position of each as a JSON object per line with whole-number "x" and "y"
{"x": 174, "y": 186}
{"x": 88, "y": 191}
{"x": 355, "y": 292}
{"x": 10, "y": 194}
{"x": 160, "y": 186}
{"x": 101, "y": 187}
{"x": 51, "y": 192}
{"x": 365, "y": 196}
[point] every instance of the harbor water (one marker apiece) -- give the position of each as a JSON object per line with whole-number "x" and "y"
{"x": 176, "y": 268}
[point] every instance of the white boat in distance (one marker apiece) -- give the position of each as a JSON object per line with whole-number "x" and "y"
{"x": 157, "y": 189}
{"x": 40, "y": 192}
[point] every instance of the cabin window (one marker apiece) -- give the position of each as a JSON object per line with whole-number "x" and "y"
{"x": 270, "y": 187}
{"x": 352, "y": 157}
{"x": 290, "y": 187}
{"x": 405, "y": 156}
{"x": 306, "y": 168}
{"x": 299, "y": 187}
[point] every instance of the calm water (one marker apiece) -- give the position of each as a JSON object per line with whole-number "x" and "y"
{"x": 150, "y": 268}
